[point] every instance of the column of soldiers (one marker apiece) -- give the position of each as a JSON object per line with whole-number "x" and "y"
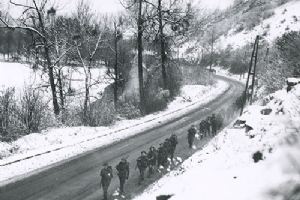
{"x": 154, "y": 159}
{"x": 207, "y": 127}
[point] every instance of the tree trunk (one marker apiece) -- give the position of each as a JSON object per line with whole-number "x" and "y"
{"x": 49, "y": 64}
{"x": 140, "y": 58}
{"x": 162, "y": 47}
{"x": 116, "y": 68}
{"x": 60, "y": 86}
{"x": 87, "y": 95}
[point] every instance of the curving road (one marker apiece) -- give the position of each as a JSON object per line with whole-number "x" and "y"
{"x": 78, "y": 179}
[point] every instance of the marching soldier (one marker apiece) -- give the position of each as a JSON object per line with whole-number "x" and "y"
{"x": 106, "y": 175}
{"x": 174, "y": 142}
{"x": 142, "y": 164}
{"x": 161, "y": 156}
{"x": 213, "y": 122}
{"x": 191, "y": 135}
{"x": 152, "y": 160}
{"x": 123, "y": 173}
{"x": 202, "y": 128}
{"x": 208, "y": 126}
{"x": 167, "y": 146}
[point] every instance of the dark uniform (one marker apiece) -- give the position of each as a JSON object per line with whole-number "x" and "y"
{"x": 142, "y": 164}
{"x": 213, "y": 122}
{"x": 152, "y": 160}
{"x": 203, "y": 129}
{"x": 208, "y": 126}
{"x": 191, "y": 135}
{"x": 174, "y": 142}
{"x": 161, "y": 156}
{"x": 106, "y": 175}
{"x": 167, "y": 147}
{"x": 123, "y": 173}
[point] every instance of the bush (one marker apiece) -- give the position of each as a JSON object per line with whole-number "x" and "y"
{"x": 31, "y": 110}
{"x": 129, "y": 109}
{"x": 18, "y": 118}
{"x": 156, "y": 98}
{"x": 9, "y": 124}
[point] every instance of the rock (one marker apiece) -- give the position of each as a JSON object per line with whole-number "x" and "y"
{"x": 266, "y": 111}
{"x": 164, "y": 197}
{"x": 257, "y": 156}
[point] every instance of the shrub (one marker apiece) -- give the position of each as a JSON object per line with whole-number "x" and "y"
{"x": 129, "y": 109}
{"x": 31, "y": 110}
{"x": 23, "y": 116}
{"x": 9, "y": 124}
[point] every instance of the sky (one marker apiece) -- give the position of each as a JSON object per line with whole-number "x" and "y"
{"x": 114, "y": 6}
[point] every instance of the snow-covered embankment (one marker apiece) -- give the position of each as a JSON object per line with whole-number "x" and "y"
{"x": 225, "y": 168}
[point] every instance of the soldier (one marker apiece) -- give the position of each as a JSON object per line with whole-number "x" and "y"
{"x": 202, "y": 128}
{"x": 161, "y": 155}
{"x": 174, "y": 142}
{"x": 167, "y": 146}
{"x": 191, "y": 135}
{"x": 152, "y": 160}
{"x": 142, "y": 164}
{"x": 208, "y": 126}
{"x": 213, "y": 122}
{"x": 123, "y": 173}
{"x": 106, "y": 175}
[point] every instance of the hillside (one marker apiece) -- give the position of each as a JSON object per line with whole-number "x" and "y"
{"x": 238, "y": 25}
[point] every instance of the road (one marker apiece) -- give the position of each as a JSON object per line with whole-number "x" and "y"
{"x": 78, "y": 179}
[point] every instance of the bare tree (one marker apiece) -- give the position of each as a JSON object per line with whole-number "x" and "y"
{"x": 87, "y": 41}
{"x": 35, "y": 20}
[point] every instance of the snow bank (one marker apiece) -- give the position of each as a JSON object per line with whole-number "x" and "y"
{"x": 37, "y": 151}
{"x": 225, "y": 168}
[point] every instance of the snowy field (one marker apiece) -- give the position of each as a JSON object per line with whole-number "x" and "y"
{"x": 19, "y": 75}
{"x": 225, "y": 168}
{"x": 35, "y": 152}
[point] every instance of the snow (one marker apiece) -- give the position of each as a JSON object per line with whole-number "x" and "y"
{"x": 23, "y": 76}
{"x": 213, "y": 4}
{"x": 36, "y": 152}
{"x": 281, "y": 22}
{"x": 225, "y": 169}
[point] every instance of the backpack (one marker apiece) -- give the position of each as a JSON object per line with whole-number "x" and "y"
{"x": 142, "y": 162}
{"x": 106, "y": 173}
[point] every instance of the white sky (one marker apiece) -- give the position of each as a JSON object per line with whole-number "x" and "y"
{"x": 113, "y": 6}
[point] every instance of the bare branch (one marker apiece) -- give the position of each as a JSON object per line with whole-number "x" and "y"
{"x": 28, "y": 28}
{"x": 21, "y": 5}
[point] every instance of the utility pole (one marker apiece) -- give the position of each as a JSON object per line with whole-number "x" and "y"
{"x": 251, "y": 74}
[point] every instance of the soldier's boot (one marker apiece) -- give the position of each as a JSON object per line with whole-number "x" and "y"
{"x": 104, "y": 194}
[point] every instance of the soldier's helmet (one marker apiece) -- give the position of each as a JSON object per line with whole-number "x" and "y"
{"x": 152, "y": 148}
{"x": 123, "y": 160}
{"x": 143, "y": 153}
{"x": 105, "y": 164}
